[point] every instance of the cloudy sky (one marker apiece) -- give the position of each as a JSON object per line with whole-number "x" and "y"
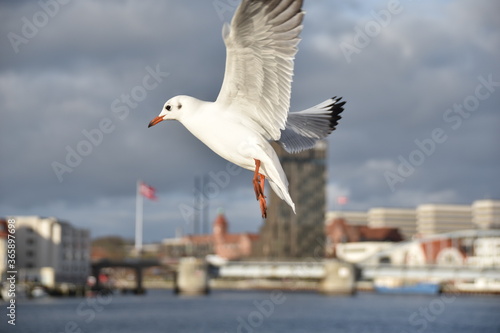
{"x": 80, "y": 81}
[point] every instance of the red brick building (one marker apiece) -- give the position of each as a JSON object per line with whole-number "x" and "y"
{"x": 339, "y": 231}
{"x": 231, "y": 246}
{"x": 220, "y": 242}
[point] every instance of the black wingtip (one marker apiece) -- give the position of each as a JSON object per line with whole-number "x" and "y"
{"x": 336, "y": 108}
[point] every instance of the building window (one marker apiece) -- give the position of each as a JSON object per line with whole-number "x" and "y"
{"x": 385, "y": 260}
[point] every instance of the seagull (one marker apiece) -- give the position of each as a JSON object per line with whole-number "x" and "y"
{"x": 252, "y": 108}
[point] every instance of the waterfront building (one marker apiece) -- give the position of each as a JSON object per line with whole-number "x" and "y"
{"x": 427, "y": 219}
{"x": 486, "y": 214}
{"x": 288, "y": 235}
{"x": 436, "y": 219}
{"x": 51, "y": 251}
{"x": 359, "y": 251}
{"x": 351, "y": 217}
{"x": 354, "y": 243}
{"x": 221, "y": 243}
{"x": 231, "y": 246}
{"x": 403, "y": 219}
{"x": 486, "y": 252}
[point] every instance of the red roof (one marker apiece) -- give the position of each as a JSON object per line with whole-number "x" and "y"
{"x": 200, "y": 239}
{"x": 340, "y": 231}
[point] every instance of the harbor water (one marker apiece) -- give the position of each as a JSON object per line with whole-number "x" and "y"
{"x": 256, "y": 311}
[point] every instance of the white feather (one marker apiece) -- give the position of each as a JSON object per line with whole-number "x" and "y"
{"x": 261, "y": 45}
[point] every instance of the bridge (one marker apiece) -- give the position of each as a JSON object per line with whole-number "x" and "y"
{"x": 272, "y": 270}
{"x": 316, "y": 271}
{"x": 137, "y": 264}
{"x": 327, "y": 275}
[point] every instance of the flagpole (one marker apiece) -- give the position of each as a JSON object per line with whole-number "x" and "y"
{"x": 138, "y": 219}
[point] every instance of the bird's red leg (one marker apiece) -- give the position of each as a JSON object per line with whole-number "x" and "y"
{"x": 262, "y": 198}
{"x": 259, "y": 181}
{"x": 262, "y": 183}
{"x": 256, "y": 185}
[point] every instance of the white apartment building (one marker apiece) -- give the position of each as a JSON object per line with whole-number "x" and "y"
{"x": 51, "y": 251}
{"x": 404, "y": 219}
{"x": 437, "y": 219}
{"x": 352, "y": 217}
{"x": 486, "y": 214}
{"x": 427, "y": 219}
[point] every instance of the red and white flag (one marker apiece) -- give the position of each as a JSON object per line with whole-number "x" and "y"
{"x": 147, "y": 191}
{"x": 342, "y": 200}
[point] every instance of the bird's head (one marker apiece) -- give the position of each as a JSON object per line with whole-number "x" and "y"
{"x": 172, "y": 110}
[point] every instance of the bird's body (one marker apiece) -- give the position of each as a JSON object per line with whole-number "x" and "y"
{"x": 224, "y": 133}
{"x": 252, "y": 109}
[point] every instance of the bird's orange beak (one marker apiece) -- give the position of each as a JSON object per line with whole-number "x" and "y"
{"x": 155, "y": 121}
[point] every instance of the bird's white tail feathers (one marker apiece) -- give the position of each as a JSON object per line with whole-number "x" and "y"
{"x": 282, "y": 193}
{"x": 303, "y": 130}
{"x": 277, "y": 178}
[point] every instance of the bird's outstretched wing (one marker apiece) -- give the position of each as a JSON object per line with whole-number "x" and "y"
{"x": 305, "y": 128}
{"x": 261, "y": 44}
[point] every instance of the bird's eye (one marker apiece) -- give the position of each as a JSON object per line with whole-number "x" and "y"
{"x": 179, "y": 106}
{"x": 168, "y": 107}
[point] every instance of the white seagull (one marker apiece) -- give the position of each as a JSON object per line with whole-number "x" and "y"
{"x": 252, "y": 109}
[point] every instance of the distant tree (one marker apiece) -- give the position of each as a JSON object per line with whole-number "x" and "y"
{"x": 110, "y": 247}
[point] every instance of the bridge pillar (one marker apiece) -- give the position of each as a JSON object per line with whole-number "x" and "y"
{"x": 96, "y": 270}
{"x": 139, "y": 289}
{"x": 192, "y": 277}
{"x": 339, "y": 278}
